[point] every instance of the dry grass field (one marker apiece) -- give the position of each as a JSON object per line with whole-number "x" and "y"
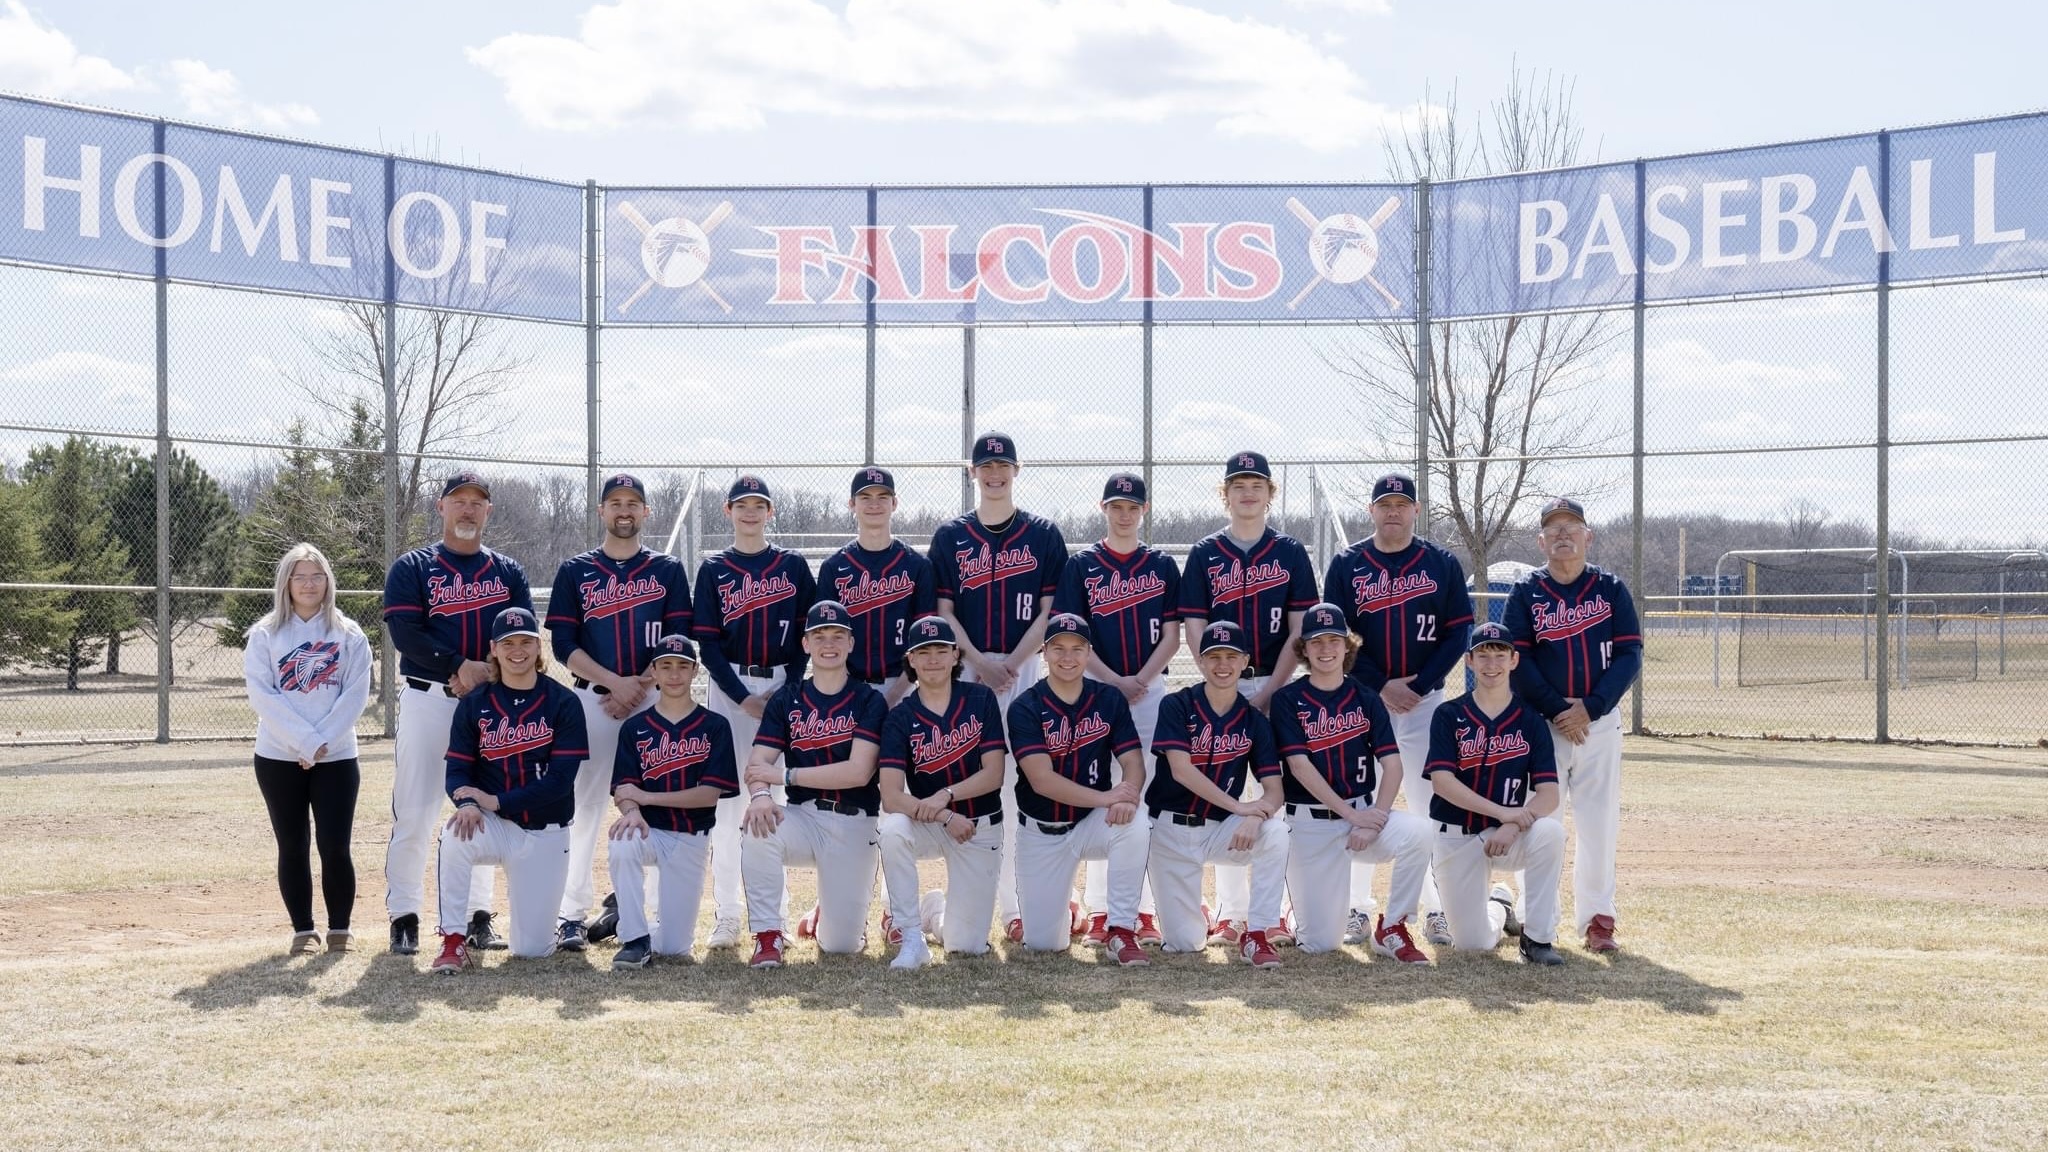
{"x": 1826, "y": 947}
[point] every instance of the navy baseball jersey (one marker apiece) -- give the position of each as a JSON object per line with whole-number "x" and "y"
{"x": 1578, "y": 639}
{"x": 750, "y": 606}
{"x": 1410, "y": 609}
{"x": 522, "y": 746}
{"x": 998, "y": 582}
{"x": 615, "y": 611}
{"x": 1129, "y": 601}
{"x": 809, "y": 728}
{"x": 1500, "y": 758}
{"x": 1083, "y": 740}
{"x": 1254, "y": 588}
{"x": 1226, "y": 747}
{"x": 657, "y": 754}
{"x": 934, "y": 749}
{"x": 883, "y": 591}
{"x": 439, "y": 605}
{"x": 1344, "y": 732}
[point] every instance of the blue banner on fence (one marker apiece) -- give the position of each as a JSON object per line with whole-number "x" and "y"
{"x": 115, "y": 193}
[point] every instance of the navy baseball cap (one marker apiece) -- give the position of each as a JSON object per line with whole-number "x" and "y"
{"x": 465, "y": 479}
{"x": 1224, "y": 634}
{"x": 1067, "y": 624}
{"x": 622, "y": 480}
{"x": 674, "y": 645}
{"x": 993, "y": 446}
{"x": 1324, "y": 619}
{"x": 873, "y": 477}
{"x": 514, "y": 622}
{"x": 1393, "y": 484}
{"x": 748, "y": 485}
{"x": 929, "y": 630}
{"x": 1490, "y": 634}
{"x": 1561, "y": 506}
{"x": 1124, "y": 486}
{"x": 1247, "y": 464}
{"x": 827, "y": 614}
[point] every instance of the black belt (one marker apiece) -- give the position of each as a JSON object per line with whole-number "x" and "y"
{"x": 840, "y": 806}
{"x": 1315, "y": 811}
{"x": 428, "y": 685}
{"x": 1048, "y": 829}
{"x": 1183, "y": 819}
{"x": 757, "y": 670}
{"x": 600, "y": 689}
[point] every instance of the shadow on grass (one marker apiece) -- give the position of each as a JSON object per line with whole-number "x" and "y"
{"x": 1333, "y": 986}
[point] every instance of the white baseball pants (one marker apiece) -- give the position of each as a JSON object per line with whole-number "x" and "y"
{"x": 971, "y": 874}
{"x": 841, "y": 847}
{"x": 1411, "y": 732}
{"x": 727, "y": 895}
{"x": 1145, "y": 718}
{"x": 1463, "y": 869}
{"x": 1175, "y": 866}
{"x": 1319, "y": 867}
{"x": 1045, "y": 873}
{"x": 1006, "y": 880}
{"x": 1233, "y": 886}
{"x": 536, "y": 864}
{"x": 678, "y": 862}
{"x": 593, "y": 801}
{"x": 419, "y": 797}
{"x": 1589, "y": 775}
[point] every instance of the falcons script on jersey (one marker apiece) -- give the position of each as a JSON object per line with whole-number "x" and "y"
{"x": 883, "y": 592}
{"x": 1083, "y": 740}
{"x": 811, "y": 728}
{"x": 440, "y": 604}
{"x": 1225, "y": 746}
{"x": 1578, "y": 639}
{"x": 1254, "y": 588}
{"x": 1344, "y": 732}
{"x": 998, "y": 582}
{"x": 1500, "y": 758}
{"x": 935, "y": 749}
{"x": 523, "y": 746}
{"x": 615, "y": 611}
{"x": 662, "y": 755}
{"x": 1129, "y": 600}
{"x": 1410, "y": 610}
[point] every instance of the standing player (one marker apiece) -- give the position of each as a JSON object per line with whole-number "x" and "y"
{"x": 1080, "y": 777}
{"x": 673, "y": 764}
{"x": 1495, "y": 801}
{"x": 1581, "y": 646}
{"x": 610, "y": 606}
{"x": 1129, "y": 593}
{"x": 942, "y": 778}
{"x": 998, "y": 569}
{"x": 1261, "y": 581}
{"x": 1210, "y": 740}
{"x": 751, "y": 600}
{"x": 439, "y": 602}
{"x": 827, "y": 730}
{"x": 1406, "y": 601}
{"x": 514, "y": 749}
{"x": 1343, "y": 773}
{"x": 882, "y": 584}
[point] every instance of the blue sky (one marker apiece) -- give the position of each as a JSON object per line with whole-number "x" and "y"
{"x": 821, "y": 91}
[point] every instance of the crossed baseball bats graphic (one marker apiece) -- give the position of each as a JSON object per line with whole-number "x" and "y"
{"x": 703, "y": 230}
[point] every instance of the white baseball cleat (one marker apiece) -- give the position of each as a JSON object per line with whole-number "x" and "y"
{"x": 1437, "y": 928}
{"x": 725, "y": 933}
{"x": 931, "y": 913}
{"x": 914, "y": 954}
{"x": 1355, "y": 927}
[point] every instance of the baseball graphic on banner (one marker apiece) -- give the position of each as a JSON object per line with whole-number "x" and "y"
{"x": 1344, "y": 247}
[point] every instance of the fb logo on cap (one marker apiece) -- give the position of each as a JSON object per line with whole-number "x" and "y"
{"x": 1123, "y": 485}
{"x": 674, "y": 644}
{"x": 1324, "y": 619}
{"x": 928, "y": 629}
{"x": 875, "y": 476}
{"x": 1246, "y": 462}
{"x": 1393, "y": 484}
{"x": 994, "y": 445}
{"x": 827, "y": 613}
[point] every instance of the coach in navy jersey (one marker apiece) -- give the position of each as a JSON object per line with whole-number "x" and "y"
{"x": 998, "y": 569}
{"x": 882, "y": 583}
{"x": 610, "y": 607}
{"x": 1129, "y": 593}
{"x": 1406, "y": 601}
{"x": 439, "y": 602}
{"x": 1575, "y": 626}
{"x": 751, "y": 600}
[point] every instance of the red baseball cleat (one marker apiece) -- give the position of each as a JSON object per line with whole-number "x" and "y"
{"x": 1098, "y": 928}
{"x": 767, "y": 950}
{"x": 1148, "y": 931}
{"x": 807, "y": 928}
{"x": 455, "y": 954}
{"x": 1257, "y": 951}
{"x": 1393, "y": 940}
{"x": 1600, "y": 935}
{"x": 1015, "y": 930}
{"x": 1123, "y": 948}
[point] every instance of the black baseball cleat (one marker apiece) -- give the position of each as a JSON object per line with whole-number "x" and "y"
{"x": 570, "y": 937}
{"x": 405, "y": 935}
{"x": 606, "y": 925}
{"x": 1537, "y": 952}
{"x": 481, "y": 937}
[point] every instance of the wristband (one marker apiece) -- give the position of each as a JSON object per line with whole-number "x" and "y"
{"x": 788, "y": 775}
{"x": 758, "y": 795}
{"x": 951, "y": 798}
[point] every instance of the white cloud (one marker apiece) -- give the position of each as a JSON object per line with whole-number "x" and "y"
{"x": 714, "y": 66}
{"x": 1364, "y": 7}
{"x": 1691, "y": 366}
{"x": 1922, "y": 420}
{"x": 215, "y": 96}
{"x": 72, "y": 368}
{"x": 1914, "y": 463}
{"x": 1209, "y": 428}
{"x": 1744, "y": 426}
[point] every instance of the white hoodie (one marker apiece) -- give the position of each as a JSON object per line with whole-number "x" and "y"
{"x": 308, "y": 685}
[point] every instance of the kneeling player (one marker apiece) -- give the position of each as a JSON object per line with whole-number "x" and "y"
{"x": 1209, "y": 739}
{"x": 1343, "y": 773}
{"x": 674, "y": 764}
{"x": 1494, "y": 772}
{"x": 942, "y": 774}
{"x": 513, "y": 751}
{"x": 826, "y": 730}
{"x": 1071, "y": 735}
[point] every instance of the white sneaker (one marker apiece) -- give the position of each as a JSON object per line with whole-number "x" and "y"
{"x": 931, "y": 913}
{"x": 913, "y": 954}
{"x": 1437, "y": 928}
{"x": 1355, "y": 927}
{"x": 725, "y": 933}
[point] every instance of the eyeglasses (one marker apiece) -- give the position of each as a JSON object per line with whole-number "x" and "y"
{"x": 314, "y": 578}
{"x": 1562, "y": 531}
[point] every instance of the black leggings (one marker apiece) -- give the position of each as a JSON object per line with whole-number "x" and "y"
{"x": 328, "y": 791}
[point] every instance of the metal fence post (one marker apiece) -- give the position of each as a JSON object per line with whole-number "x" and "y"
{"x": 388, "y": 653}
{"x": 868, "y": 289}
{"x": 592, "y": 398}
{"x": 966, "y": 415}
{"x": 1422, "y": 357}
{"x": 1145, "y": 384}
{"x": 1636, "y": 566}
{"x": 1884, "y": 454}
{"x": 164, "y": 667}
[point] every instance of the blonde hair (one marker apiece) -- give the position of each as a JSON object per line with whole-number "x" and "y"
{"x": 1351, "y": 646}
{"x": 281, "y": 606}
{"x": 540, "y": 660}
